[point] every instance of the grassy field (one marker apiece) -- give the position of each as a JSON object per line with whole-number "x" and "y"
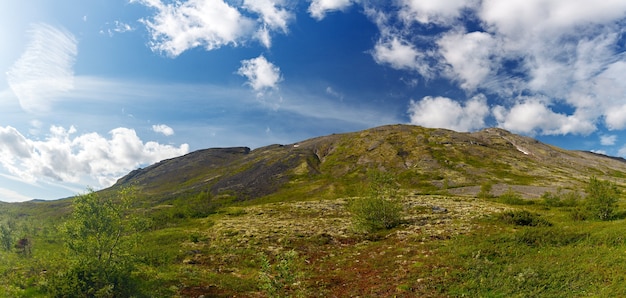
{"x": 444, "y": 246}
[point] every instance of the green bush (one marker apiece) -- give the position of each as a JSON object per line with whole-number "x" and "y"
{"x": 99, "y": 239}
{"x": 373, "y": 214}
{"x": 601, "y": 200}
{"x": 523, "y": 218}
{"x": 381, "y": 209}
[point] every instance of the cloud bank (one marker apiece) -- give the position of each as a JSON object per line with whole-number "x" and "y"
{"x": 64, "y": 156}
{"x": 550, "y": 67}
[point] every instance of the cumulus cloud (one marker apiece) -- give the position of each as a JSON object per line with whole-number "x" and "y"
{"x": 439, "y": 12}
{"x": 472, "y": 57}
{"x": 400, "y": 54}
{"x": 568, "y": 54}
{"x": 532, "y": 116}
{"x": 184, "y": 25}
{"x": 163, "y": 129}
{"x": 319, "y": 8}
{"x": 608, "y": 140}
{"x": 272, "y": 17}
{"x": 212, "y": 24}
{"x": 261, "y": 74}
{"x": 66, "y": 157}
{"x": 443, "y": 112}
{"x": 263, "y": 77}
{"x": 45, "y": 69}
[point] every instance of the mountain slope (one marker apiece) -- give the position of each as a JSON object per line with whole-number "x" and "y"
{"x": 422, "y": 158}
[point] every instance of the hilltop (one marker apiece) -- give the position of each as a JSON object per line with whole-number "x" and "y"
{"x": 424, "y": 159}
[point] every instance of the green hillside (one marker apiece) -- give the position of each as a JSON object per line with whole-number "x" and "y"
{"x": 488, "y": 213}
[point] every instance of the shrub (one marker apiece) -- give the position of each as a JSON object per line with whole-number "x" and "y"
{"x": 374, "y": 213}
{"x": 523, "y": 218}
{"x": 601, "y": 200}
{"x": 381, "y": 209}
{"x": 98, "y": 239}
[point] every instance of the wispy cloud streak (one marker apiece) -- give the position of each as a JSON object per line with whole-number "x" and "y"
{"x": 45, "y": 69}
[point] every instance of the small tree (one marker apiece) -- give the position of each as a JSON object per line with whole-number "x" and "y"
{"x": 381, "y": 209}
{"x": 602, "y": 197}
{"x": 98, "y": 237}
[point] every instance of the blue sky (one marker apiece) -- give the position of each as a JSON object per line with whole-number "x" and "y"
{"x": 91, "y": 90}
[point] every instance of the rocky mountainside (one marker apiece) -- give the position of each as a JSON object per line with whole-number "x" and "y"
{"x": 423, "y": 159}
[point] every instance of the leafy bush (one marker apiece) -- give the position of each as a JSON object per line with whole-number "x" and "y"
{"x": 523, "y": 218}
{"x": 601, "y": 200}
{"x": 374, "y": 214}
{"x": 381, "y": 209}
{"x": 99, "y": 243}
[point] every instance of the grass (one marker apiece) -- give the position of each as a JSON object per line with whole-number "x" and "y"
{"x": 444, "y": 246}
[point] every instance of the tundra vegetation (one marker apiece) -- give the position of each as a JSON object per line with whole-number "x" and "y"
{"x": 384, "y": 240}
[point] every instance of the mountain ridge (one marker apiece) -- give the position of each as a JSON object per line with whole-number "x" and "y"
{"x": 425, "y": 159}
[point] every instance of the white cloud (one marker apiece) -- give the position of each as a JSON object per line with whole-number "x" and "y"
{"x": 163, "y": 129}
{"x": 45, "y": 69}
{"x": 400, "y": 54}
{"x": 443, "y": 112}
{"x": 7, "y": 195}
{"x": 272, "y": 16}
{"x": 567, "y": 53}
{"x": 319, "y": 8}
{"x": 117, "y": 27}
{"x": 261, "y": 74}
{"x": 332, "y": 92}
{"x": 608, "y": 140}
{"x": 532, "y": 116}
{"x": 65, "y": 157}
{"x": 472, "y": 57}
{"x": 184, "y": 25}
{"x": 436, "y": 11}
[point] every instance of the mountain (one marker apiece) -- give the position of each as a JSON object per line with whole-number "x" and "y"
{"x": 423, "y": 159}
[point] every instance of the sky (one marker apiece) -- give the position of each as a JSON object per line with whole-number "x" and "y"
{"x": 90, "y": 90}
